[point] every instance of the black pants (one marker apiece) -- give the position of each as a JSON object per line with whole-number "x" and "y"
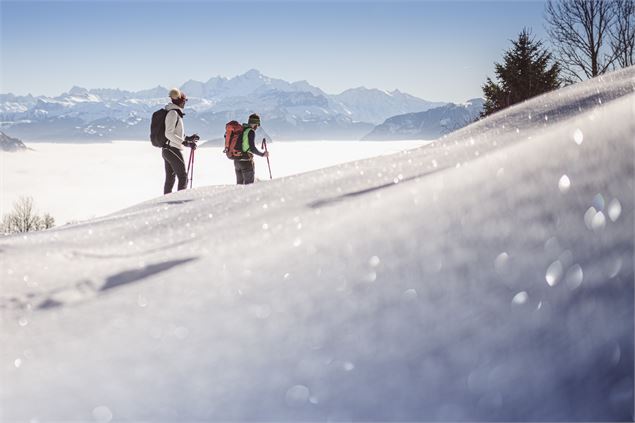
{"x": 245, "y": 171}
{"x": 174, "y": 166}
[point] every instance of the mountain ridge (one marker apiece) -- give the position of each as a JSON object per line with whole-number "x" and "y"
{"x": 290, "y": 110}
{"x": 10, "y": 144}
{"x": 429, "y": 124}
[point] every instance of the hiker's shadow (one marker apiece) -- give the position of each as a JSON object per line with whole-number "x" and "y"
{"x": 135, "y": 275}
{"x": 86, "y": 290}
{"x": 173, "y": 202}
{"x": 343, "y": 197}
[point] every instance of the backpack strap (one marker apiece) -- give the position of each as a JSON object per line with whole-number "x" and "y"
{"x": 179, "y": 112}
{"x": 245, "y": 143}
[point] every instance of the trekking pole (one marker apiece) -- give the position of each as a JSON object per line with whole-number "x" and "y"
{"x": 264, "y": 146}
{"x": 190, "y": 167}
{"x": 192, "y": 174}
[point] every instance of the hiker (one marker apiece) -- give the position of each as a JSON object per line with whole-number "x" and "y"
{"x": 174, "y": 132}
{"x": 244, "y": 165}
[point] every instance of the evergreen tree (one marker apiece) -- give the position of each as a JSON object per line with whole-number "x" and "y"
{"x": 527, "y": 71}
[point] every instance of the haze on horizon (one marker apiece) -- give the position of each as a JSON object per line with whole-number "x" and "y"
{"x": 438, "y": 51}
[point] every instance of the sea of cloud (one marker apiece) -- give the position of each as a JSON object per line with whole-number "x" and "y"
{"x": 74, "y": 182}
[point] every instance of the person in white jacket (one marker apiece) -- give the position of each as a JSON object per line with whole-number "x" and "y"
{"x": 175, "y": 133}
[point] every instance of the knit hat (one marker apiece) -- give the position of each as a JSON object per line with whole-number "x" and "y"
{"x": 254, "y": 118}
{"x": 177, "y": 95}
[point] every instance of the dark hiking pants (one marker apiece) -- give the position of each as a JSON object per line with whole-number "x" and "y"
{"x": 244, "y": 171}
{"x": 174, "y": 167}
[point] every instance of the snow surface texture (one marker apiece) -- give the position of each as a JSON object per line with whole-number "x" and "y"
{"x": 488, "y": 276}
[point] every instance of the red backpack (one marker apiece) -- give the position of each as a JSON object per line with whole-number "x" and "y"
{"x": 233, "y": 140}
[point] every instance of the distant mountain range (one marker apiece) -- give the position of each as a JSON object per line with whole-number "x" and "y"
{"x": 290, "y": 110}
{"x": 430, "y": 124}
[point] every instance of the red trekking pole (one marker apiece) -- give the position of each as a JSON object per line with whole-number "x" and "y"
{"x": 190, "y": 167}
{"x": 264, "y": 147}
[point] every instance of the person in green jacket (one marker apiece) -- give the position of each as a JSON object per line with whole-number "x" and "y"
{"x": 244, "y": 166}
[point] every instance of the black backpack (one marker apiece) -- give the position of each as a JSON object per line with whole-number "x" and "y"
{"x": 157, "y": 128}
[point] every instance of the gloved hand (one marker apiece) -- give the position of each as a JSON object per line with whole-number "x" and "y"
{"x": 191, "y": 144}
{"x": 193, "y": 137}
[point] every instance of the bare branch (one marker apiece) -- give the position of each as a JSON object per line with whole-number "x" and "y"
{"x": 579, "y": 30}
{"x": 23, "y": 218}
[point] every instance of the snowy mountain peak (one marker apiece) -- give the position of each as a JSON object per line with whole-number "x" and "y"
{"x": 315, "y": 114}
{"x": 476, "y": 102}
{"x": 78, "y": 91}
{"x": 190, "y": 81}
{"x": 215, "y": 81}
{"x": 355, "y": 90}
{"x": 156, "y": 92}
{"x": 375, "y": 105}
{"x": 253, "y": 74}
{"x": 194, "y": 88}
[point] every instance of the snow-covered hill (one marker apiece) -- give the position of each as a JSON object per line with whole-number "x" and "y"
{"x": 488, "y": 276}
{"x": 295, "y": 110}
{"x": 429, "y": 124}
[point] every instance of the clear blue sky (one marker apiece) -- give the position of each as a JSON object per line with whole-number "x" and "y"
{"x": 437, "y": 50}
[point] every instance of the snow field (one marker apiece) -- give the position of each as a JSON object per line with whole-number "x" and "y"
{"x": 464, "y": 280}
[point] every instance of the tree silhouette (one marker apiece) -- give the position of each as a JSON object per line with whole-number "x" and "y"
{"x": 23, "y": 218}
{"x": 591, "y": 37}
{"x": 622, "y": 32}
{"x": 527, "y": 71}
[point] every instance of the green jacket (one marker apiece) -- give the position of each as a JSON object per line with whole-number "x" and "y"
{"x": 248, "y": 145}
